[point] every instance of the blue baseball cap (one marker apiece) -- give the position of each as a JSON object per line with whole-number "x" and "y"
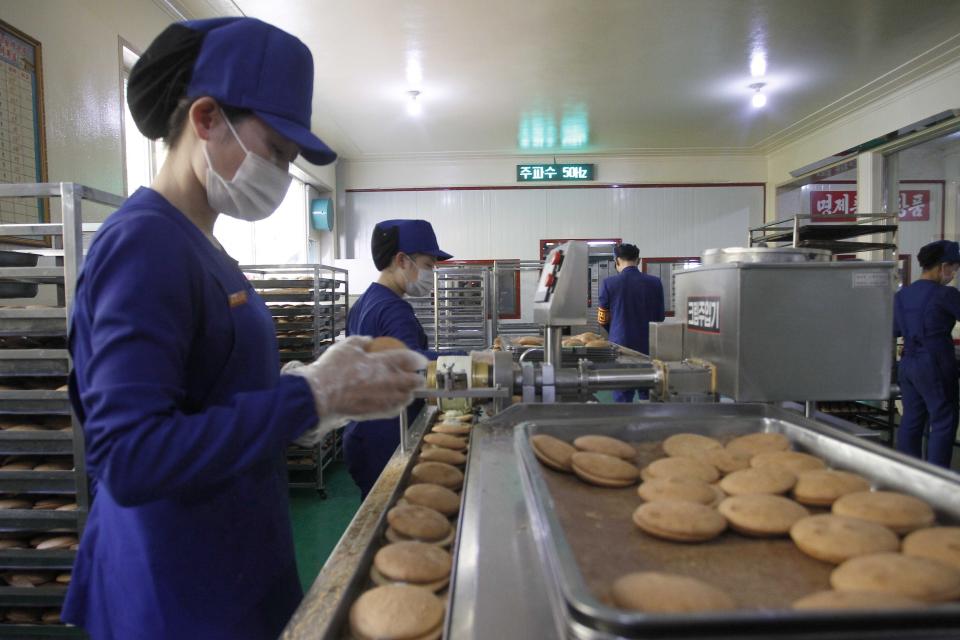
{"x": 240, "y": 62}
{"x": 409, "y": 236}
{"x": 950, "y": 249}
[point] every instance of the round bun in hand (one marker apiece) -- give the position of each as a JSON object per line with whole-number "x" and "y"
{"x": 385, "y": 343}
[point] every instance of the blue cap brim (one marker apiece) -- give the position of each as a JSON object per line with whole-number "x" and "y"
{"x": 313, "y": 149}
{"x": 441, "y": 255}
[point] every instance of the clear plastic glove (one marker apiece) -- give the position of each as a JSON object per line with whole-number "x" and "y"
{"x": 312, "y": 437}
{"x": 350, "y": 384}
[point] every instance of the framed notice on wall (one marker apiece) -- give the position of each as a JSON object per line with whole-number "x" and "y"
{"x": 22, "y": 144}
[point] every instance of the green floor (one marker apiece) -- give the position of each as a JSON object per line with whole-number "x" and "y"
{"x": 318, "y": 524}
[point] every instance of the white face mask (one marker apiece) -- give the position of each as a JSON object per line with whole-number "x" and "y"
{"x": 423, "y": 285}
{"x": 256, "y": 190}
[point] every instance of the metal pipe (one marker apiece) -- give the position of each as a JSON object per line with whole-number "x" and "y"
{"x": 553, "y": 346}
{"x": 403, "y": 431}
{"x": 493, "y": 327}
{"x": 609, "y": 379}
{"x": 436, "y": 311}
{"x": 809, "y": 408}
{"x": 523, "y": 356}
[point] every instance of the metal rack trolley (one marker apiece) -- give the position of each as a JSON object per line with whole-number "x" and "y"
{"x": 456, "y": 317}
{"x": 309, "y": 304}
{"x": 511, "y": 328}
{"x": 463, "y": 313}
{"x": 836, "y": 237}
{"x": 43, "y": 327}
{"x": 461, "y": 308}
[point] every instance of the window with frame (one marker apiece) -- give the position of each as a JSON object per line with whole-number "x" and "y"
{"x": 142, "y": 157}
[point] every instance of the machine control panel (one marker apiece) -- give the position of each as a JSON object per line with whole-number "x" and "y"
{"x": 561, "y": 295}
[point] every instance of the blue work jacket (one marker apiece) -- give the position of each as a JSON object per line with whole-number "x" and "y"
{"x": 186, "y": 418}
{"x": 924, "y": 313}
{"x": 629, "y": 302}
{"x": 369, "y": 445}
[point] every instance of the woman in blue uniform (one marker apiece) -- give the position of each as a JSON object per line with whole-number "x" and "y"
{"x": 405, "y": 253}
{"x": 176, "y": 375}
{"x": 924, "y": 314}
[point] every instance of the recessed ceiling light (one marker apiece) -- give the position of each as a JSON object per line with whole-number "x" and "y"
{"x": 758, "y": 64}
{"x": 414, "y": 70}
{"x": 759, "y": 99}
{"x": 413, "y": 103}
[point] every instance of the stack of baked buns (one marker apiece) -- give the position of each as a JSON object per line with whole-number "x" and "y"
{"x": 886, "y": 545}
{"x": 587, "y": 339}
{"x": 32, "y": 540}
{"x": 411, "y": 571}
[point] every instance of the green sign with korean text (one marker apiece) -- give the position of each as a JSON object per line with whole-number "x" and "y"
{"x": 554, "y": 172}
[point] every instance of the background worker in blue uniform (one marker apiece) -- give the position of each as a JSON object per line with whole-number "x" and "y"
{"x": 405, "y": 253}
{"x": 176, "y": 378}
{"x": 629, "y": 302}
{"x": 924, "y": 313}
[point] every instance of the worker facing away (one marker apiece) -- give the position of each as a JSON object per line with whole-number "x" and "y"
{"x": 629, "y": 302}
{"x": 924, "y": 314}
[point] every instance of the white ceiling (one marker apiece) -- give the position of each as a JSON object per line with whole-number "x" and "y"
{"x": 643, "y": 75}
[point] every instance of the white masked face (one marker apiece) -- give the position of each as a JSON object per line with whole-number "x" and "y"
{"x": 949, "y": 272}
{"x": 256, "y": 190}
{"x": 419, "y": 280}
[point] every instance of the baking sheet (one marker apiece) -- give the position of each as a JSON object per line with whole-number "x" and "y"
{"x": 607, "y": 544}
{"x": 589, "y": 538}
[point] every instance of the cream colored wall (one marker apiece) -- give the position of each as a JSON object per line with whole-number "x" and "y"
{"x": 928, "y": 96}
{"x": 81, "y": 79}
{"x": 459, "y": 171}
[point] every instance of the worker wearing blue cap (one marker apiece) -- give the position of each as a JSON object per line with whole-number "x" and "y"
{"x": 925, "y": 313}
{"x": 176, "y": 378}
{"x": 405, "y": 253}
{"x": 629, "y": 302}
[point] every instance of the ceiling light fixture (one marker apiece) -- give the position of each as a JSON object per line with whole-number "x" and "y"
{"x": 758, "y": 64}
{"x": 413, "y": 103}
{"x": 759, "y": 99}
{"x": 414, "y": 71}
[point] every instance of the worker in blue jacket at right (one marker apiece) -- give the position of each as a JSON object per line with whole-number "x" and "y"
{"x": 629, "y": 302}
{"x": 924, "y": 313}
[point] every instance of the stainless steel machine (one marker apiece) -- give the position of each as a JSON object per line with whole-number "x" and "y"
{"x": 789, "y": 324}
{"x": 534, "y": 552}
{"x": 754, "y": 325}
{"x": 560, "y": 301}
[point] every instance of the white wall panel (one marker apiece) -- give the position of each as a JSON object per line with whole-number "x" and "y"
{"x": 364, "y": 212}
{"x": 509, "y": 223}
{"x": 516, "y": 216}
{"x": 460, "y": 220}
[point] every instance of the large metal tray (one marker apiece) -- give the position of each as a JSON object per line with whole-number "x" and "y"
{"x": 587, "y": 539}
{"x": 35, "y": 402}
{"x": 51, "y": 321}
{"x": 34, "y": 362}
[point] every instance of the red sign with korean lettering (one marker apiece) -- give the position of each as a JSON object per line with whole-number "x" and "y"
{"x": 833, "y": 206}
{"x": 841, "y": 206}
{"x": 914, "y": 206}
